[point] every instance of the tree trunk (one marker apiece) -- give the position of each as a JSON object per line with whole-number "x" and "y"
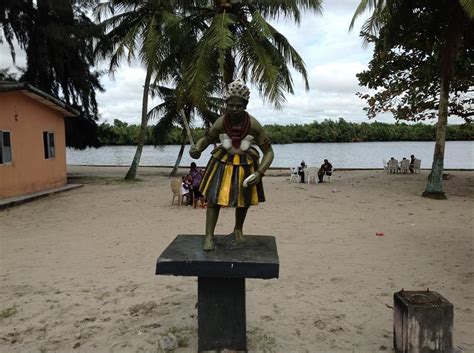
{"x": 434, "y": 188}
{"x": 450, "y": 44}
{"x": 132, "y": 172}
{"x": 180, "y": 155}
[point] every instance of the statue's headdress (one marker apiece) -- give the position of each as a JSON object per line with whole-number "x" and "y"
{"x": 237, "y": 89}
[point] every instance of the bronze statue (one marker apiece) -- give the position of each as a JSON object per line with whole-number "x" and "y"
{"x": 233, "y": 175}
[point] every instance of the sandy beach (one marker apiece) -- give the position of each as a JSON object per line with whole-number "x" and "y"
{"x": 77, "y": 268}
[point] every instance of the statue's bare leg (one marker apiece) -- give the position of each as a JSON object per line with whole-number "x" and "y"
{"x": 240, "y": 213}
{"x": 212, "y": 213}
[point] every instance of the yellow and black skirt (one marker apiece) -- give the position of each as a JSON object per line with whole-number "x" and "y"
{"x": 224, "y": 175}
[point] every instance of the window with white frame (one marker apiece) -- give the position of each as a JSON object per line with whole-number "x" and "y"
{"x": 5, "y": 147}
{"x": 48, "y": 142}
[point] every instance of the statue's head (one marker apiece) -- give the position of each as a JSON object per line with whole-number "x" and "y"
{"x": 236, "y": 98}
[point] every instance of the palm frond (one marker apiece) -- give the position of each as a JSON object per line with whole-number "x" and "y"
{"x": 468, "y": 6}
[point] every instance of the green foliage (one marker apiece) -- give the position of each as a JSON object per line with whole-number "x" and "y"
{"x": 120, "y": 133}
{"x": 235, "y": 40}
{"x": 410, "y": 58}
{"x": 58, "y": 38}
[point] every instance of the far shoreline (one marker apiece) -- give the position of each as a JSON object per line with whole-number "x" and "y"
{"x": 271, "y": 168}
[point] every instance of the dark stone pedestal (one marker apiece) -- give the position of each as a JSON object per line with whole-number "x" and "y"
{"x": 221, "y": 282}
{"x": 423, "y": 322}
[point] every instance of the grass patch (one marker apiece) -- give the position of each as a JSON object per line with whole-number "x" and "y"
{"x": 181, "y": 336}
{"x": 8, "y": 312}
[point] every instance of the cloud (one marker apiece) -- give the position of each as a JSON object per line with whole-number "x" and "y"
{"x": 123, "y": 94}
{"x": 332, "y": 54}
{"x": 6, "y": 61}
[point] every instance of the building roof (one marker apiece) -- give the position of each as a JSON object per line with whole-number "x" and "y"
{"x": 39, "y": 96}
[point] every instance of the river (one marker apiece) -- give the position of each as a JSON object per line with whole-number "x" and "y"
{"x": 458, "y": 154}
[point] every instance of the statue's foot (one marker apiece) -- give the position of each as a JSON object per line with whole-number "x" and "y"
{"x": 208, "y": 244}
{"x": 239, "y": 236}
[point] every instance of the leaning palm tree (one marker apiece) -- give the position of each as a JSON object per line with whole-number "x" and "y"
{"x": 176, "y": 107}
{"x": 236, "y": 37}
{"x": 142, "y": 30}
{"x": 448, "y": 38}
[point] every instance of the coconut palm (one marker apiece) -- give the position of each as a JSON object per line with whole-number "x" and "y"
{"x": 236, "y": 37}
{"x": 137, "y": 30}
{"x": 447, "y": 36}
{"x": 169, "y": 113}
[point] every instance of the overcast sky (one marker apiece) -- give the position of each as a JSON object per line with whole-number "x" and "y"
{"x": 332, "y": 55}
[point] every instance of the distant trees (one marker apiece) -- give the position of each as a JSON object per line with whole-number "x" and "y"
{"x": 120, "y": 133}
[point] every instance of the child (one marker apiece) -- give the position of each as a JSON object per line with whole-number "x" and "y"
{"x": 186, "y": 188}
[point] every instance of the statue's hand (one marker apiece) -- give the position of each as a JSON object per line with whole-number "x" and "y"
{"x": 256, "y": 177}
{"x": 194, "y": 153}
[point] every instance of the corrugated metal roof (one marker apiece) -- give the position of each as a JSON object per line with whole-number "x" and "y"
{"x": 40, "y": 96}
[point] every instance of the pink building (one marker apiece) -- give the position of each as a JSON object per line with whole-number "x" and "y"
{"x": 32, "y": 140}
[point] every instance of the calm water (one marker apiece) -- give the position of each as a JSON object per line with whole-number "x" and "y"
{"x": 458, "y": 154}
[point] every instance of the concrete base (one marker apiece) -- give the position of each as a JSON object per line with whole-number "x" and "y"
{"x": 423, "y": 323}
{"x": 18, "y": 200}
{"x": 221, "y": 283}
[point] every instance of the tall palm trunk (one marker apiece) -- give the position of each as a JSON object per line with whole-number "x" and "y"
{"x": 434, "y": 188}
{"x": 180, "y": 154}
{"x": 132, "y": 172}
{"x": 451, "y": 41}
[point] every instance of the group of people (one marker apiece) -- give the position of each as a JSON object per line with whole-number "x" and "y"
{"x": 190, "y": 186}
{"x": 411, "y": 165}
{"x": 325, "y": 169}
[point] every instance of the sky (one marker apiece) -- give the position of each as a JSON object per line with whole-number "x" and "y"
{"x": 333, "y": 56}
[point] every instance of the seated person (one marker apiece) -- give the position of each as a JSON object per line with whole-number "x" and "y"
{"x": 412, "y": 163}
{"x": 326, "y": 168}
{"x": 196, "y": 174}
{"x": 301, "y": 169}
{"x": 187, "y": 188}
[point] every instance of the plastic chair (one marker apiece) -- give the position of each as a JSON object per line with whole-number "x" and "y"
{"x": 385, "y": 165}
{"x": 417, "y": 165}
{"x": 294, "y": 174}
{"x": 330, "y": 175}
{"x": 176, "y": 189}
{"x": 311, "y": 173}
{"x": 404, "y": 166}
{"x": 393, "y": 166}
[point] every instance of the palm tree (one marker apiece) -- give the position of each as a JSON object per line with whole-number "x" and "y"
{"x": 236, "y": 38}
{"x": 169, "y": 114}
{"x": 449, "y": 41}
{"x": 57, "y": 37}
{"x": 137, "y": 30}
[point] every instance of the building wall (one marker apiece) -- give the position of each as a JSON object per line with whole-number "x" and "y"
{"x": 27, "y": 119}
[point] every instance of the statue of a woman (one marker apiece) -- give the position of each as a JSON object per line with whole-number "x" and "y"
{"x": 233, "y": 176}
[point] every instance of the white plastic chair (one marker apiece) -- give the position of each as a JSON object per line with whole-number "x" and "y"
{"x": 393, "y": 166}
{"x": 385, "y": 165}
{"x": 417, "y": 165}
{"x": 311, "y": 173}
{"x": 329, "y": 176}
{"x": 404, "y": 166}
{"x": 294, "y": 174}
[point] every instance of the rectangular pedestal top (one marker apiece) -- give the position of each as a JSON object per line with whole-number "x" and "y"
{"x": 257, "y": 258}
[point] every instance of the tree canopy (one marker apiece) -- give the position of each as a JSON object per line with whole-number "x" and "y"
{"x": 405, "y": 68}
{"x": 57, "y": 37}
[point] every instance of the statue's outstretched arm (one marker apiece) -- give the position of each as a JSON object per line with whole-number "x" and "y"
{"x": 203, "y": 142}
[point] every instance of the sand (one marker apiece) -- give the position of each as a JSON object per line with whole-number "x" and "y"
{"x": 77, "y": 268}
